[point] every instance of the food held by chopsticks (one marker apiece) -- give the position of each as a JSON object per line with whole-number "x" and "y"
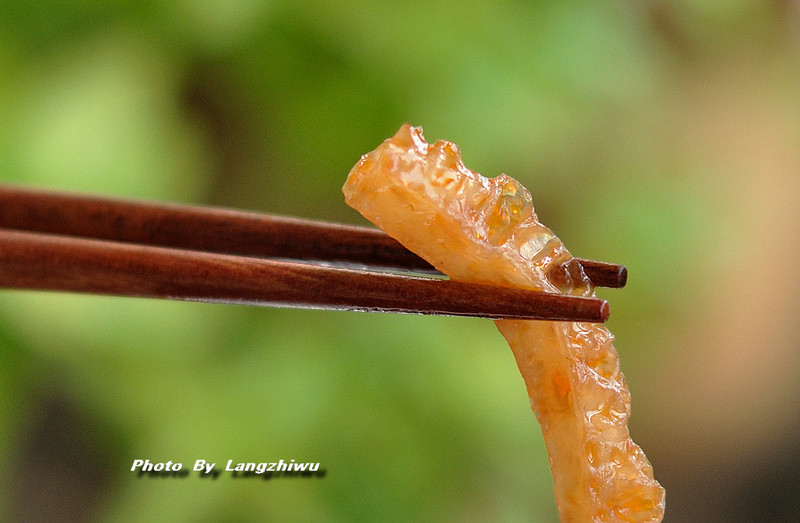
{"x": 484, "y": 230}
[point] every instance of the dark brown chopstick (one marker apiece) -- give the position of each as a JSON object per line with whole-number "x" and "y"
{"x": 65, "y": 263}
{"x": 604, "y": 274}
{"x": 222, "y": 231}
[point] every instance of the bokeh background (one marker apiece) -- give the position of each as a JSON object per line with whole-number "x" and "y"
{"x": 663, "y": 135}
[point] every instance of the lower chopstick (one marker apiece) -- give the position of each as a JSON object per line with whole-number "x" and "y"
{"x": 63, "y": 263}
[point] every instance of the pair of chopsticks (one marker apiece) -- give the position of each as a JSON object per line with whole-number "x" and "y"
{"x": 78, "y": 243}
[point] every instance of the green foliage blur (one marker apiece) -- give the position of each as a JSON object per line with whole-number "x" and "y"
{"x": 662, "y": 135}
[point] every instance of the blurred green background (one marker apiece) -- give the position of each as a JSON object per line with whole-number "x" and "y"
{"x": 663, "y": 135}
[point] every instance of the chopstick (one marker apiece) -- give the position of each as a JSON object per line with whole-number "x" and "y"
{"x": 79, "y": 243}
{"x": 223, "y": 231}
{"x": 53, "y": 262}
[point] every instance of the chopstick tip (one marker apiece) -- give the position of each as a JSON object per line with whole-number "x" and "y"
{"x": 605, "y": 310}
{"x": 622, "y": 276}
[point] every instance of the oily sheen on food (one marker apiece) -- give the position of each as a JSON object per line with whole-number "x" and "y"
{"x": 485, "y": 230}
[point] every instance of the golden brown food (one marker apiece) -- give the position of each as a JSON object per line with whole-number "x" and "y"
{"x": 485, "y": 230}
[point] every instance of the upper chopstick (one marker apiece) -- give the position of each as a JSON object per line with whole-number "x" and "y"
{"x": 222, "y": 231}
{"x": 31, "y": 260}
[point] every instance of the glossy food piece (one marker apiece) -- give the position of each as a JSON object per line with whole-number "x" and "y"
{"x": 485, "y": 230}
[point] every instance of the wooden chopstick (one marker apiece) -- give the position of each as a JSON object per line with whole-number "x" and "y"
{"x": 222, "y": 231}
{"x": 32, "y": 260}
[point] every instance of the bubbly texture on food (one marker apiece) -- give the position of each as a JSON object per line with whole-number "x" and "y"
{"x": 484, "y": 230}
